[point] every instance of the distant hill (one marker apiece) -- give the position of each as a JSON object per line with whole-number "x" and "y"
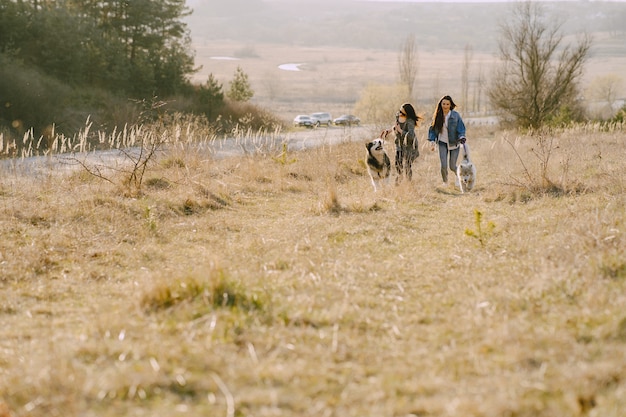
{"x": 385, "y": 25}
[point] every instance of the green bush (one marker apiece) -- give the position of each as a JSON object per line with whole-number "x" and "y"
{"x": 30, "y": 99}
{"x": 620, "y": 116}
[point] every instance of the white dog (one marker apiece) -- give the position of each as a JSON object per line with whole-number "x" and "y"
{"x": 378, "y": 162}
{"x": 466, "y": 171}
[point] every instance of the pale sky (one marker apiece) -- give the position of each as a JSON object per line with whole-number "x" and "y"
{"x": 485, "y": 1}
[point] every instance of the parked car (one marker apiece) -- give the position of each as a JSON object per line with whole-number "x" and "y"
{"x": 304, "y": 120}
{"x": 347, "y": 120}
{"x": 323, "y": 118}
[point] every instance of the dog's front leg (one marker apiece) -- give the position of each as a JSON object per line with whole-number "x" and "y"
{"x": 374, "y": 185}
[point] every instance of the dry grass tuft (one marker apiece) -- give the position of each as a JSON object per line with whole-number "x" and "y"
{"x": 331, "y": 203}
{"x": 158, "y": 183}
{"x": 214, "y": 290}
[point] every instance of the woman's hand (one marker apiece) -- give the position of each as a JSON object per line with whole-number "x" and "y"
{"x": 416, "y": 148}
{"x": 432, "y": 146}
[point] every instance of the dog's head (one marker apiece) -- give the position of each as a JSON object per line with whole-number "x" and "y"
{"x": 375, "y": 145}
{"x": 466, "y": 172}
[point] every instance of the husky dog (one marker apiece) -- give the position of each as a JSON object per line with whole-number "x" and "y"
{"x": 378, "y": 162}
{"x": 466, "y": 171}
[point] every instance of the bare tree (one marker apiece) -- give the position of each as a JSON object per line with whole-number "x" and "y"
{"x": 408, "y": 64}
{"x": 467, "y": 59}
{"x": 378, "y": 101}
{"x": 435, "y": 84}
{"x": 602, "y": 93}
{"x": 478, "y": 90}
{"x": 538, "y": 76}
{"x": 272, "y": 85}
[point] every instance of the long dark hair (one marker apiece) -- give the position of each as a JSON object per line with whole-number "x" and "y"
{"x": 438, "y": 117}
{"x": 410, "y": 112}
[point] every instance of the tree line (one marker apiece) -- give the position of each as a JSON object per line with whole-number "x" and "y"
{"x": 62, "y": 61}
{"x": 137, "y": 47}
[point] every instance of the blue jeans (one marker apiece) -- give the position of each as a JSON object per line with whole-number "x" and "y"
{"x": 443, "y": 158}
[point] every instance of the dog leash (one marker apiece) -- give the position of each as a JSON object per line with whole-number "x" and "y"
{"x": 465, "y": 154}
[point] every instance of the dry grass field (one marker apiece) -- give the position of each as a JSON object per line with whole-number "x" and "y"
{"x": 281, "y": 285}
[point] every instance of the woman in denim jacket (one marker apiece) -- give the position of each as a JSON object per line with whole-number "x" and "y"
{"x": 448, "y": 130}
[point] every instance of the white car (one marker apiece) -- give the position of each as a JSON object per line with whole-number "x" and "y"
{"x": 323, "y": 118}
{"x": 304, "y": 120}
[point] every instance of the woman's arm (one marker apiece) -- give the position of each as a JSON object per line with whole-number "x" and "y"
{"x": 432, "y": 134}
{"x": 460, "y": 128}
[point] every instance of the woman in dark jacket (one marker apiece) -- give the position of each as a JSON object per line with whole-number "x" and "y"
{"x": 407, "y": 149}
{"x": 448, "y": 130}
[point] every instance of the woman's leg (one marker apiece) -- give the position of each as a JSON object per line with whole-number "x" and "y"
{"x": 454, "y": 156}
{"x": 443, "y": 158}
{"x": 410, "y": 157}
{"x": 399, "y": 157}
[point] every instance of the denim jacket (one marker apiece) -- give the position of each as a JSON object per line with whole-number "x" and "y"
{"x": 456, "y": 130}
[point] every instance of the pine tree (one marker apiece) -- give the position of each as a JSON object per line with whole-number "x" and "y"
{"x": 211, "y": 96}
{"x": 240, "y": 89}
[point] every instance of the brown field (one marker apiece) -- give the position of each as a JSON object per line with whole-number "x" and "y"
{"x": 332, "y": 79}
{"x": 280, "y": 285}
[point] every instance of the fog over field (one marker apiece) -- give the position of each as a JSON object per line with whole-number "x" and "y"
{"x": 379, "y": 24}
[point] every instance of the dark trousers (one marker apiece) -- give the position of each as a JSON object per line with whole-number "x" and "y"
{"x": 404, "y": 161}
